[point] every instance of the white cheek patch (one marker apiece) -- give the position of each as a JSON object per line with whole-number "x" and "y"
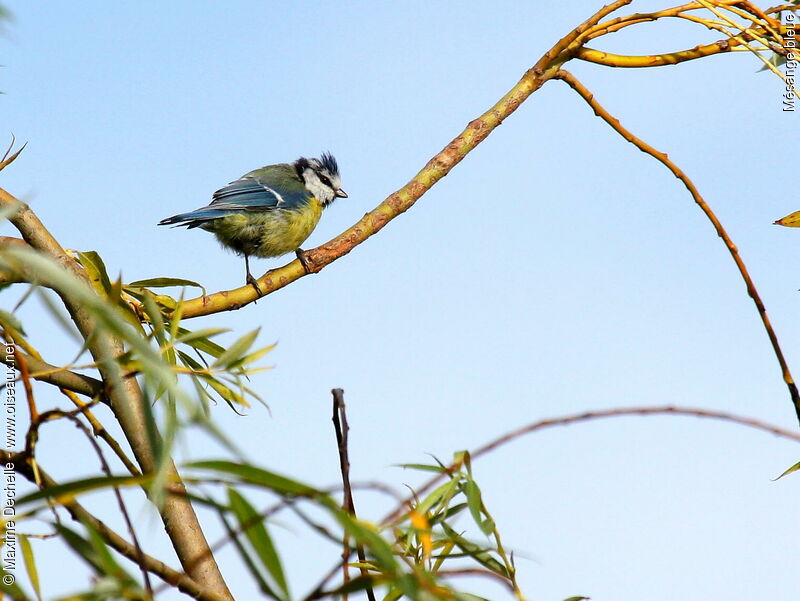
{"x": 314, "y": 185}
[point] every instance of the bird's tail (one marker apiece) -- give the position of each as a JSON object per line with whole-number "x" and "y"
{"x": 193, "y": 218}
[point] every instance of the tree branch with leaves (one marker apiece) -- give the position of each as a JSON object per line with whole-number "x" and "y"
{"x": 141, "y": 351}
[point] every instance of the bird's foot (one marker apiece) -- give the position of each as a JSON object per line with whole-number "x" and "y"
{"x": 254, "y": 283}
{"x": 301, "y": 255}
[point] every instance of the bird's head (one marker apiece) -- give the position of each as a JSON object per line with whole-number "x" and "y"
{"x": 321, "y": 177}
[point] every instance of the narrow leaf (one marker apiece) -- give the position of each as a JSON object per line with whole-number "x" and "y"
{"x": 422, "y": 467}
{"x": 443, "y": 491}
{"x": 63, "y": 493}
{"x": 791, "y": 220}
{"x": 237, "y": 349}
{"x": 96, "y": 270}
{"x": 164, "y": 283}
{"x": 794, "y": 468}
{"x": 258, "y": 476}
{"x": 256, "y": 531}
{"x": 11, "y": 588}
{"x": 476, "y": 552}
{"x": 30, "y": 563}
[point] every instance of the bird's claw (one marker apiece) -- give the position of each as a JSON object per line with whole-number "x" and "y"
{"x": 301, "y": 256}
{"x": 254, "y": 283}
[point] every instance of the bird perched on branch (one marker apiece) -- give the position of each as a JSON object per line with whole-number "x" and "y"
{"x": 270, "y": 211}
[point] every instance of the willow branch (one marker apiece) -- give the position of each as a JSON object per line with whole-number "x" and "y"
{"x": 100, "y": 431}
{"x": 403, "y": 199}
{"x": 715, "y": 222}
{"x": 33, "y": 435}
{"x": 655, "y": 60}
{"x": 585, "y": 417}
{"x": 180, "y": 520}
{"x": 61, "y": 377}
{"x": 78, "y": 513}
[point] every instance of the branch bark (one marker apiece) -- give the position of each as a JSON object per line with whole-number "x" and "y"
{"x": 117, "y": 542}
{"x": 404, "y": 198}
{"x": 177, "y": 513}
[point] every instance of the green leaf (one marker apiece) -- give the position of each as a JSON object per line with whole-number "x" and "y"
{"x": 422, "y": 467}
{"x": 473, "y": 494}
{"x": 81, "y": 547}
{"x": 96, "y": 270}
{"x": 237, "y": 349}
{"x": 186, "y": 336}
{"x": 447, "y": 514}
{"x": 11, "y": 588}
{"x": 105, "y": 558}
{"x": 253, "y": 357}
{"x": 361, "y": 583}
{"x": 202, "y": 344}
{"x": 476, "y": 552}
{"x": 475, "y": 503}
{"x": 164, "y": 283}
{"x": 367, "y": 535}
{"x": 77, "y": 487}
{"x": 442, "y": 492}
{"x": 254, "y": 475}
{"x": 229, "y": 395}
{"x": 578, "y": 598}
{"x": 30, "y": 564}
{"x": 11, "y": 320}
{"x": 256, "y": 531}
{"x": 794, "y": 468}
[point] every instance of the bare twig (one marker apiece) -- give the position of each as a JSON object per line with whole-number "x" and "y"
{"x": 732, "y": 249}
{"x": 78, "y": 513}
{"x": 342, "y": 429}
{"x": 140, "y": 559}
{"x": 100, "y": 431}
{"x": 21, "y": 364}
{"x": 590, "y": 416}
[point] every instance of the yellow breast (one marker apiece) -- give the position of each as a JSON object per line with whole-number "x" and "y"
{"x": 289, "y": 229}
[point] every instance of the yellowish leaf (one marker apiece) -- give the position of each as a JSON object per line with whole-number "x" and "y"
{"x": 420, "y": 523}
{"x": 791, "y": 220}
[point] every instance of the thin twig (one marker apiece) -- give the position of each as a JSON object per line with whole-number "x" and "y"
{"x": 79, "y": 513}
{"x": 7, "y": 160}
{"x": 100, "y": 431}
{"x": 574, "y": 418}
{"x": 106, "y": 469}
{"x": 342, "y": 429}
{"x": 25, "y": 374}
{"x": 734, "y": 251}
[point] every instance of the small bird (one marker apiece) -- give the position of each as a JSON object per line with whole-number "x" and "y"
{"x": 270, "y": 211}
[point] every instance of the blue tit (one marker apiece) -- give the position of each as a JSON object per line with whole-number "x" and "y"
{"x": 270, "y": 211}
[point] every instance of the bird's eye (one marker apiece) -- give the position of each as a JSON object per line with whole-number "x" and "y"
{"x": 325, "y": 180}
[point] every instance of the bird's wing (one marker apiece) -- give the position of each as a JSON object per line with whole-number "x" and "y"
{"x": 265, "y": 189}
{"x": 246, "y": 194}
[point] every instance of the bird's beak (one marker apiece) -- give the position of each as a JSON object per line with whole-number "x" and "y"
{"x": 341, "y": 193}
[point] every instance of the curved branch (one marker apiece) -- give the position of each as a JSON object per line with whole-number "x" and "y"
{"x": 654, "y": 60}
{"x": 61, "y": 377}
{"x": 574, "y": 418}
{"x": 404, "y": 198}
{"x": 601, "y": 112}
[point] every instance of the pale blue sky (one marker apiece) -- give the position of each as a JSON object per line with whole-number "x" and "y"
{"x": 557, "y": 269}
